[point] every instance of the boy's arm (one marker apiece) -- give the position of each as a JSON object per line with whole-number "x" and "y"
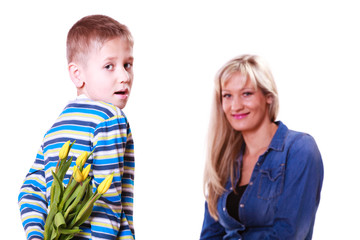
{"x": 127, "y": 196}
{"x": 32, "y": 200}
{"x": 110, "y": 218}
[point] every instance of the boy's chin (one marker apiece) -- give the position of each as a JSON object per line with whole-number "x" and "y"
{"x": 121, "y": 104}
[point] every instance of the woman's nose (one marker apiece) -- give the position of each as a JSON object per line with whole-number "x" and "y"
{"x": 237, "y": 104}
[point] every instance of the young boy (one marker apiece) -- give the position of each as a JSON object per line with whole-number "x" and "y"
{"x": 99, "y": 54}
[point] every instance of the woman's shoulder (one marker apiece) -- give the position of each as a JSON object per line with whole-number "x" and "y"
{"x": 298, "y": 138}
{"x": 293, "y": 140}
{"x": 302, "y": 143}
{"x": 302, "y": 152}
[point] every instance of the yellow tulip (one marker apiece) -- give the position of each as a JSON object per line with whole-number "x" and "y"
{"x": 64, "y": 151}
{"x": 85, "y": 172}
{"x": 80, "y": 161}
{"x": 77, "y": 174}
{"x": 105, "y": 185}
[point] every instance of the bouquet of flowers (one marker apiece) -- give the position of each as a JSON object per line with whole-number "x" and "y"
{"x": 71, "y": 205}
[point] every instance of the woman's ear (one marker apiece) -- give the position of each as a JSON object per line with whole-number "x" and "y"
{"x": 74, "y": 71}
{"x": 269, "y": 98}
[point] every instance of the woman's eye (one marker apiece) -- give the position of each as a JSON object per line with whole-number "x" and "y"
{"x": 226, "y": 95}
{"x": 109, "y": 67}
{"x": 246, "y": 94}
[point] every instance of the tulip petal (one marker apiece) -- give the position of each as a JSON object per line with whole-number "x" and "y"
{"x": 80, "y": 161}
{"x": 64, "y": 151}
{"x": 86, "y": 171}
{"x": 77, "y": 174}
{"x": 105, "y": 184}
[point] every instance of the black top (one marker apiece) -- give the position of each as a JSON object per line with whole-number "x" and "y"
{"x": 233, "y": 201}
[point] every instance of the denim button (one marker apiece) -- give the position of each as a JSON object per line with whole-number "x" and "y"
{"x": 224, "y": 209}
{"x": 241, "y": 205}
{"x": 251, "y": 183}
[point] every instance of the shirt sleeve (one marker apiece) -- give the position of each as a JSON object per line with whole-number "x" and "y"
{"x": 297, "y": 206}
{"x": 32, "y": 199}
{"x": 110, "y": 218}
{"x": 211, "y": 229}
{"x": 127, "y": 197}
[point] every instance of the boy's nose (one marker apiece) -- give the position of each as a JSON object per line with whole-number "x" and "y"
{"x": 123, "y": 76}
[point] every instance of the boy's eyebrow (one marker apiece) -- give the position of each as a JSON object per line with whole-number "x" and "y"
{"x": 131, "y": 58}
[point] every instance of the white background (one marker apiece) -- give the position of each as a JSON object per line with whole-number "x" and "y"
{"x": 313, "y": 49}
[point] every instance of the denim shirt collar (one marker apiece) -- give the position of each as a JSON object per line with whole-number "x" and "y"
{"x": 278, "y": 141}
{"x": 277, "y": 144}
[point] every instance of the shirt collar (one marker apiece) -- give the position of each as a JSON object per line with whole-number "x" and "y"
{"x": 278, "y": 141}
{"x": 81, "y": 96}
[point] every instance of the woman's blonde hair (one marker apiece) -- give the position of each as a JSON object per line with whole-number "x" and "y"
{"x": 224, "y": 142}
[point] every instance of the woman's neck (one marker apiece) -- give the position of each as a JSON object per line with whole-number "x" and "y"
{"x": 258, "y": 141}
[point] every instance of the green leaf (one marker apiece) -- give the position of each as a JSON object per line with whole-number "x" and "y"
{"x": 66, "y": 237}
{"x": 68, "y": 191}
{"x": 72, "y": 197}
{"x": 79, "y": 196}
{"x": 63, "y": 169}
{"x": 82, "y": 217}
{"x": 59, "y": 220}
{"x": 89, "y": 194}
{"x": 85, "y": 211}
{"x": 71, "y": 216}
{"x": 69, "y": 231}
{"x": 54, "y": 233}
{"x": 56, "y": 188}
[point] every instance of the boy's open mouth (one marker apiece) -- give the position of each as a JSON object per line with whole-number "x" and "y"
{"x": 122, "y": 92}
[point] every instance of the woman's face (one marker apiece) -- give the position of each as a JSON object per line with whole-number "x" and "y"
{"x": 245, "y": 108}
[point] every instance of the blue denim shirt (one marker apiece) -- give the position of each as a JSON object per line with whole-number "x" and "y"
{"x": 282, "y": 197}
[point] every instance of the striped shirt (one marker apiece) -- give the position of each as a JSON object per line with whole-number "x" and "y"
{"x": 93, "y": 125}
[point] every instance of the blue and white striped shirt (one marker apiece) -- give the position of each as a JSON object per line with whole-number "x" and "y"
{"x": 93, "y": 125}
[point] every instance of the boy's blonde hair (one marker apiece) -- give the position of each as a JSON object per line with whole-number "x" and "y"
{"x": 92, "y": 31}
{"x": 224, "y": 142}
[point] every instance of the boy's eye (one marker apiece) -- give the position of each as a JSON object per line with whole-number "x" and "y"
{"x": 127, "y": 65}
{"x": 109, "y": 67}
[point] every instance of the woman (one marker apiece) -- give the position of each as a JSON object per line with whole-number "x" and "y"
{"x": 262, "y": 180}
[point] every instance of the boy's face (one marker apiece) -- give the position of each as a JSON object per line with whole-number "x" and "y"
{"x": 108, "y": 73}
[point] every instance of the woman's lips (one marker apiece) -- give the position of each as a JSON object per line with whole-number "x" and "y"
{"x": 240, "y": 116}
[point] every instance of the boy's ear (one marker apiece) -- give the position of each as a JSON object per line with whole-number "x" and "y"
{"x": 74, "y": 71}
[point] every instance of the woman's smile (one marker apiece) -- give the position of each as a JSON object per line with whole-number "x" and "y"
{"x": 239, "y": 116}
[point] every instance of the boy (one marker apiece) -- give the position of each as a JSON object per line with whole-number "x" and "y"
{"x": 99, "y": 54}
